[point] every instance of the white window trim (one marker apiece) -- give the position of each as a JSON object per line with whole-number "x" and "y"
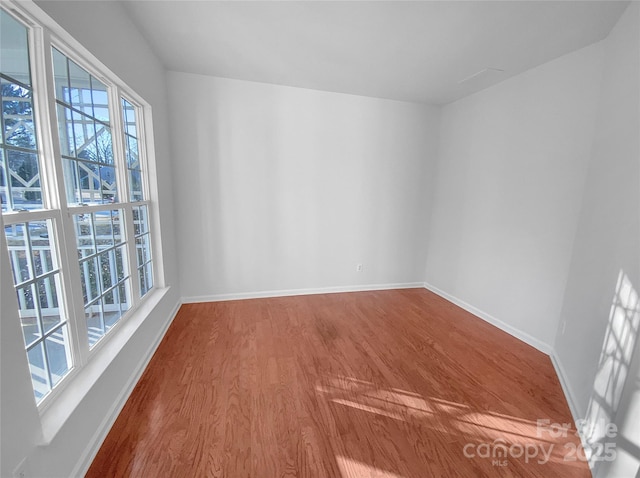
{"x": 89, "y": 365}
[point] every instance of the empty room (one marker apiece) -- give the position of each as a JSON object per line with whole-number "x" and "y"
{"x": 388, "y": 239}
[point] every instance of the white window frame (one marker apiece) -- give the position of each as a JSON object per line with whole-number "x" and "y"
{"x": 43, "y": 34}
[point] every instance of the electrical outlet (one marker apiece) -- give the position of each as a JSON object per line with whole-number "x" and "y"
{"x": 22, "y": 470}
{"x": 358, "y": 267}
{"x": 564, "y": 326}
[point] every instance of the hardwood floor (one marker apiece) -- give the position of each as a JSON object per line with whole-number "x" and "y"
{"x": 370, "y": 384}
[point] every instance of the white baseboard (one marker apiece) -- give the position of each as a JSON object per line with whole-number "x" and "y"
{"x": 573, "y": 407}
{"x": 519, "y": 334}
{"x": 566, "y": 387}
{"x": 292, "y": 292}
{"x": 101, "y": 432}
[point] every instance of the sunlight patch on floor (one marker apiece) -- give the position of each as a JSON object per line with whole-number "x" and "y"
{"x": 458, "y": 421}
{"x": 350, "y": 468}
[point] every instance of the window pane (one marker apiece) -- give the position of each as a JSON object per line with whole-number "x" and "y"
{"x": 89, "y": 181}
{"x": 146, "y": 278}
{"x": 140, "y": 220}
{"x": 16, "y": 235}
{"x": 84, "y": 134}
{"x": 129, "y": 117}
{"x": 48, "y": 296}
{"x": 40, "y": 234}
{"x": 120, "y": 255}
{"x": 108, "y": 183}
{"x": 132, "y": 153}
{"x": 14, "y": 60}
{"x": 100, "y": 100}
{"x": 104, "y": 229}
{"x": 143, "y": 248}
{"x": 17, "y": 113}
{"x": 89, "y": 279}
{"x": 43, "y": 261}
{"x": 3, "y": 181}
{"x": 31, "y": 330}
{"x": 143, "y": 281}
{"x": 61, "y": 76}
{"x": 104, "y": 144}
{"x": 149, "y": 274}
{"x": 135, "y": 183}
{"x": 111, "y": 309}
{"x": 79, "y": 80}
{"x": 131, "y": 128}
{"x": 72, "y": 176}
{"x": 144, "y": 251}
{"x": 117, "y": 225}
{"x": 57, "y": 345}
{"x": 86, "y": 104}
{"x": 65, "y": 131}
{"x": 24, "y": 179}
{"x": 95, "y": 323}
{"x": 84, "y": 235}
{"x": 39, "y": 373}
{"x": 108, "y": 269}
{"x": 123, "y": 295}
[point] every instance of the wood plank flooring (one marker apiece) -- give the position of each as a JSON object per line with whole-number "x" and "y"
{"x": 386, "y": 384}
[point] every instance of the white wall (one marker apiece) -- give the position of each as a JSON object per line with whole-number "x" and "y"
{"x": 510, "y": 174}
{"x": 607, "y": 244}
{"x": 115, "y": 41}
{"x": 281, "y": 188}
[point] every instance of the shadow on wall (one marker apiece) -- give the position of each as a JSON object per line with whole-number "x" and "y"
{"x": 611, "y": 429}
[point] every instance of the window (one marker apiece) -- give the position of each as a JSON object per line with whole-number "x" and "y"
{"x": 75, "y": 201}
{"x": 20, "y": 176}
{"x": 103, "y": 273}
{"x": 37, "y": 278}
{"x": 84, "y": 130}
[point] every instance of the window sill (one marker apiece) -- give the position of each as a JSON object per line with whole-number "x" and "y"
{"x": 60, "y": 410}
